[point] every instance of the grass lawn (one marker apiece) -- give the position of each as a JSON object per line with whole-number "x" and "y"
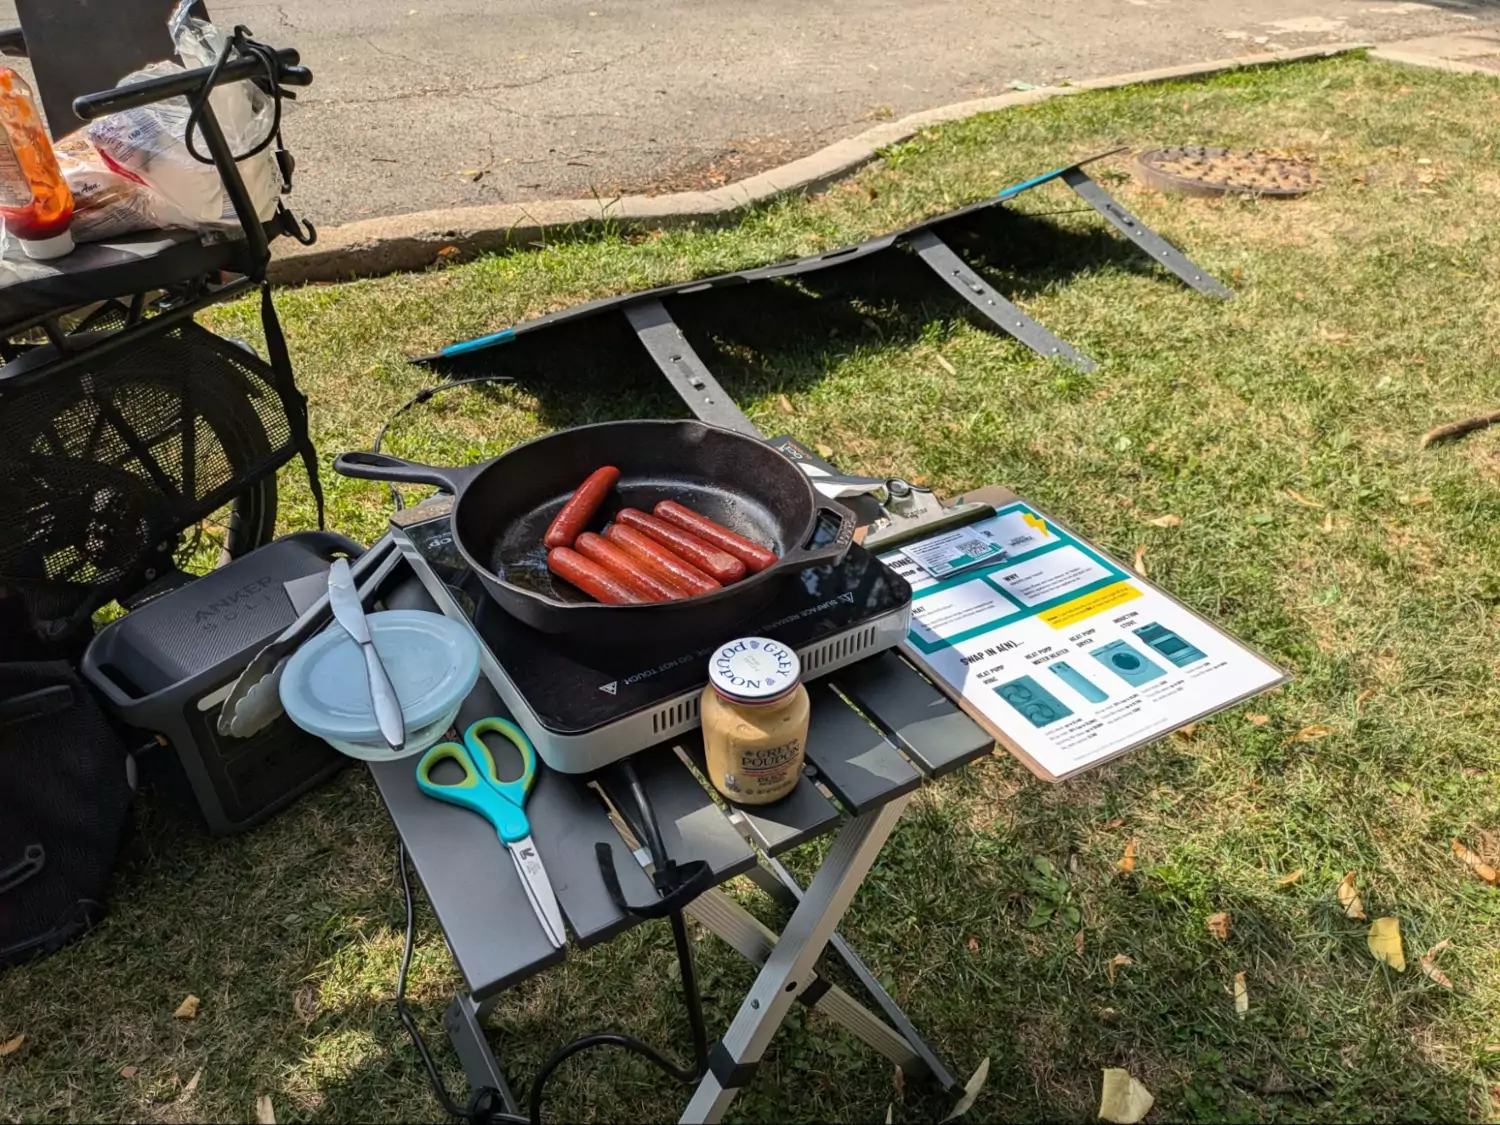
{"x": 1282, "y": 428}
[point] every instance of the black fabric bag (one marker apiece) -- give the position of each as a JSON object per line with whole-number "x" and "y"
{"x": 66, "y": 783}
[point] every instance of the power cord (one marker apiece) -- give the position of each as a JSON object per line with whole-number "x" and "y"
{"x": 417, "y": 399}
{"x": 677, "y": 885}
{"x": 439, "y": 1087}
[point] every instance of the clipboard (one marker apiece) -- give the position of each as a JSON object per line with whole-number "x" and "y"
{"x": 1066, "y": 657}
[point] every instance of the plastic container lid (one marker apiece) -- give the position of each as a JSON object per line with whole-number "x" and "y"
{"x": 754, "y": 670}
{"x": 433, "y": 664}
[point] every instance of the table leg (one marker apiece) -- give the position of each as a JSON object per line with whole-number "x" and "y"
{"x": 462, "y": 1021}
{"x": 791, "y": 962}
{"x": 783, "y": 887}
{"x": 716, "y": 912}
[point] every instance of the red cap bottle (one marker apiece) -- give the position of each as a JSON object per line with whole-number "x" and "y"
{"x": 34, "y": 198}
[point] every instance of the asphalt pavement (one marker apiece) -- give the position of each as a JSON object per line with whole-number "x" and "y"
{"x": 422, "y": 104}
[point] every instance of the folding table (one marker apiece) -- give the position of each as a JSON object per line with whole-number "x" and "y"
{"x": 877, "y": 729}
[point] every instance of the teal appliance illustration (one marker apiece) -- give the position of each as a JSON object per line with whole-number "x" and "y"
{"x": 1038, "y": 705}
{"x": 1170, "y": 645}
{"x": 1128, "y": 663}
{"x": 1078, "y": 682}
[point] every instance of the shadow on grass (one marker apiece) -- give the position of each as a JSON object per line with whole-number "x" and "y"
{"x": 297, "y": 971}
{"x": 773, "y": 335}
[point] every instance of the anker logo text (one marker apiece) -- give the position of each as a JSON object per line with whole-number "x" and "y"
{"x": 223, "y": 610}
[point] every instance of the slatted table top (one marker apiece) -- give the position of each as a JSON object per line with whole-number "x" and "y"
{"x": 877, "y": 728}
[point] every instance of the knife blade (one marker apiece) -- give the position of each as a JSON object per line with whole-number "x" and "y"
{"x": 254, "y": 699}
{"x": 344, "y": 599}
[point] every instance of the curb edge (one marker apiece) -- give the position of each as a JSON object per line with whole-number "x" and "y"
{"x": 412, "y": 242}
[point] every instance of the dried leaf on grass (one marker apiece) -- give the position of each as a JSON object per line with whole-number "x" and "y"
{"x": 1384, "y": 941}
{"x": 11, "y": 1046}
{"x": 1118, "y": 961}
{"x": 265, "y": 1112}
{"x": 1123, "y": 1100}
{"x": 129, "y": 1071}
{"x": 1126, "y": 863}
{"x": 1185, "y": 734}
{"x": 1313, "y": 733}
{"x": 1428, "y": 965}
{"x": 1288, "y": 880}
{"x": 898, "y": 1084}
{"x": 823, "y": 451}
{"x": 786, "y": 405}
{"x": 1303, "y": 500}
{"x": 945, "y": 365}
{"x": 1472, "y": 861}
{"x": 1327, "y": 523}
{"x": 305, "y": 1002}
{"x": 1257, "y": 720}
{"x": 890, "y": 1110}
{"x": 971, "y": 1090}
{"x": 188, "y": 1009}
{"x": 1363, "y": 697}
{"x": 1349, "y": 898}
{"x": 973, "y": 945}
{"x": 1218, "y": 925}
{"x": 1078, "y": 943}
{"x": 1241, "y": 996}
{"x": 1140, "y": 560}
{"x": 1166, "y": 521}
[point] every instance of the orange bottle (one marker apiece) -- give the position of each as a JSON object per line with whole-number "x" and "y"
{"x": 34, "y": 198}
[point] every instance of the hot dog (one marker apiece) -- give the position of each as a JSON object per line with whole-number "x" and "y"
{"x": 660, "y": 561}
{"x": 753, "y": 555}
{"x": 591, "y": 578}
{"x": 580, "y": 508}
{"x": 625, "y": 568}
{"x": 718, "y": 565}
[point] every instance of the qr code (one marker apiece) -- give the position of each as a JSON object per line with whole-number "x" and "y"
{"x": 975, "y": 547}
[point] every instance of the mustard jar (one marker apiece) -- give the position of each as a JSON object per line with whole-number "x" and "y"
{"x": 754, "y": 712}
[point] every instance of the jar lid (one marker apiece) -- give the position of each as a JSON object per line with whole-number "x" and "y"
{"x": 754, "y": 670}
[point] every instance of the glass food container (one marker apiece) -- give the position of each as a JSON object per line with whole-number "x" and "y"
{"x": 754, "y": 714}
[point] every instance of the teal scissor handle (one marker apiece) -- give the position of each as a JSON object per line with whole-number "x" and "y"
{"x": 481, "y": 790}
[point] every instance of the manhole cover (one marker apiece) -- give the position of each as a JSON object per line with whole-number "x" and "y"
{"x": 1207, "y": 170}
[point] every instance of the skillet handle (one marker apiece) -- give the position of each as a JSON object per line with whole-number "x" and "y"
{"x": 382, "y": 466}
{"x": 830, "y": 553}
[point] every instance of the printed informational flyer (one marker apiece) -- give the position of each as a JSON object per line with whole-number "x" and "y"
{"x": 1064, "y": 656}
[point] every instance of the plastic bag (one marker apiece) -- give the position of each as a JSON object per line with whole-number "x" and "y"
{"x": 150, "y": 144}
{"x": 107, "y": 201}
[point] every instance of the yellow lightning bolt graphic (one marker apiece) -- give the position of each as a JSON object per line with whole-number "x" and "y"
{"x": 1036, "y": 522}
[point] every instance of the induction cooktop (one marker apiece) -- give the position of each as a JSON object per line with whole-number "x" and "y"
{"x": 585, "y": 705}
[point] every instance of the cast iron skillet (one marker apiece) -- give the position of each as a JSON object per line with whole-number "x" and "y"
{"x": 503, "y": 508}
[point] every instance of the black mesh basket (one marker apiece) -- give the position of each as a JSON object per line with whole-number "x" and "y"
{"x": 101, "y": 468}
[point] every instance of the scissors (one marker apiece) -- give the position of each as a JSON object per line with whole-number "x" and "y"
{"x": 499, "y": 802}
